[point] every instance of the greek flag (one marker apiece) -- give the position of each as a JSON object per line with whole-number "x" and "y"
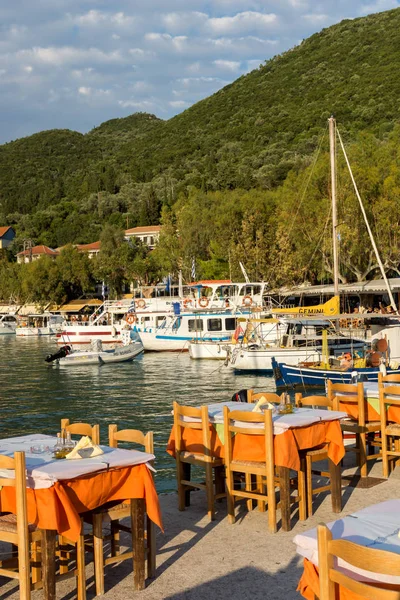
{"x": 103, "y": 290}
{"x": 193, "y": 272}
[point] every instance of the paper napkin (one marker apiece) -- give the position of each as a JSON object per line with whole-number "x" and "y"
{"x": 85, "y": 449}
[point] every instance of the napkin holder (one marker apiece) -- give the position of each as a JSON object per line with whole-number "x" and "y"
{"x": 85, "y": 448}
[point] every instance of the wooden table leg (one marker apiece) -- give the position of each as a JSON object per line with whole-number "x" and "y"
{"x": 284, "y": 485}
{"x": 137, "y": 514}
{"x": 336, "y": 486}
{"x": 49, "y": 563}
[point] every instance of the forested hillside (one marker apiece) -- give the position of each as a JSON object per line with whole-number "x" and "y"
{"x": 230, "y": 173}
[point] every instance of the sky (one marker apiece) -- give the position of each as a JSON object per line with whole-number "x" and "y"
{"x": 73, "y": 64}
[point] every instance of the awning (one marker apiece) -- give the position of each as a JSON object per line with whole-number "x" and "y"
{"x": 8, "y": 309}
{"x": 78, "y": 305}
{"x": 29, "y": 309}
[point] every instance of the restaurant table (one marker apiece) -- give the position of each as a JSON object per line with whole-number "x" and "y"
{"x": 372, "y": 410}
{"x": 59, "y": 491}
{"x": 374, "y": 527}
{"x": 304, "y": 429}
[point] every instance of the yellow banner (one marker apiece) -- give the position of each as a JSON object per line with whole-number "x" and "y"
{"x": 329, "y": 309}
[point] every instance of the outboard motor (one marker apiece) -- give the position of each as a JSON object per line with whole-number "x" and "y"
{"x": 63, "y": 351}
{"x": 240, "y": 396}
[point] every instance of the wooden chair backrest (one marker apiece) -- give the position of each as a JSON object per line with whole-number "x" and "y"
{"x": 202, "y": 424}
{"x": 391, "y": 378}
{"x": 130, "y": 435}
{"x": 18, "y": 465}
{"x": 318, "y": 401}
{"x": 368, "y": 559}
{"x": 389, "y": 395}
{"x": 354, "y": 394}
{"x": 93, "y": 431}
{"x": 231, "y": 420}
{"x": 253, "y": 397}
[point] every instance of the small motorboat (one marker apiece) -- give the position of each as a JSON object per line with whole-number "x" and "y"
{"x": 96, "y": 355}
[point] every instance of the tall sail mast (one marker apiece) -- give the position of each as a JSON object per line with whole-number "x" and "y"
{"x": 332, "y": 145}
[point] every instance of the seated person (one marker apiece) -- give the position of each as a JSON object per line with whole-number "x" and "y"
{"x": 346, "y": 361}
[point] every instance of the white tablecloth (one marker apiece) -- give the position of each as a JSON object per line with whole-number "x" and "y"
{"x": 301, "y": 417}
{"x": 375, "y": 527}
{"x": 43, "y": 470}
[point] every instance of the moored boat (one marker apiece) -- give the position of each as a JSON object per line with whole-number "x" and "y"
{"x": 67, "y": 357}
{"x": 8, "y": 324}
{"x": 37, "y": 325}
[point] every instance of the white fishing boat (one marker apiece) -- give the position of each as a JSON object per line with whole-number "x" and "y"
{"x": 41, "y": 324}
{"x": 303, "y": 340}
{"x": 96, "y": 355}
{"x": 176, "y": 331}
{"x": 8, "y": 324}
{"x": 249, "y": 330}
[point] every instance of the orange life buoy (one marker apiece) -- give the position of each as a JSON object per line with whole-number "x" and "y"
{"x": 187, "y": 302}
{"x": 247, "y": 300}
{"x": 140, "y": 303}
{"x": 131, "y": 319}
{"x": 204, "y": 302}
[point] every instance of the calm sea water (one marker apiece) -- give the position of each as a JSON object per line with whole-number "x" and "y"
{"x": 35, "y": 396}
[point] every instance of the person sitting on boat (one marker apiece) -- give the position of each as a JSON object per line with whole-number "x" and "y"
{"x": 346, "y": 361}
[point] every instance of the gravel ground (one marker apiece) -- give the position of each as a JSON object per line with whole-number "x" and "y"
{"x": 197, "y": 559}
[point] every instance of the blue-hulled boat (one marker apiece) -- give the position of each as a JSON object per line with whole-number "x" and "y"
{"x": 308, "y": 376}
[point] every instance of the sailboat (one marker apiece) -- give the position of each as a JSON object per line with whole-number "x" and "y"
{"x": 385, "y": 353}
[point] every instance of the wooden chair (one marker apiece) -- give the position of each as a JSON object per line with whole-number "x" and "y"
{"x": 264, "y": 470}
{"x": 316, "y": 455}
{"x": 253, "y": 397}
{"x": 368, "y": 559}
{"x": 389, "y": 396}
{"x": 112, "y": 514}
{"x": 93, "y": 431}
{"x": 16, "y": 530}
{"x": 354, "y": 394}
{"x": 185, "y": 458}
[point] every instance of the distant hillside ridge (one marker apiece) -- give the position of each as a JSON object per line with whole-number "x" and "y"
{"x": 250, "y": 134}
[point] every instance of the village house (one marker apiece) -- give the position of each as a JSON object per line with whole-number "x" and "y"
{"x": 148, "y": 235}
{"x": 7, "y": 234}
{"x": 31, "y": 254}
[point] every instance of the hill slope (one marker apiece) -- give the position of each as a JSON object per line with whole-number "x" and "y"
{"x": 249, "y": 134}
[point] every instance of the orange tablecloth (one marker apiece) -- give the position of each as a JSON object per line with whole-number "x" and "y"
{"x": 59, "y": 506}
{"x": 309, "y": 585}
{"x": 371, "y": 410}
{"x": 286, "y": 445}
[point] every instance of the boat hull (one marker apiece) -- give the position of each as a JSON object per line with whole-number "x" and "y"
{"x": 34, "y": 331}
{"x": 255, "y": 359}
{"x": 298, "y": 377}
{"x": 5, "y": 330}
{"x": 80, "y": 336}
{"x": 119, "y": 355}
{"x": 209, "y": 350}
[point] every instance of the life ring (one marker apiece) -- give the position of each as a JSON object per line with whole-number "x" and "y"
{"x": 140, "y": 303}
{"x": 247, "y": 301}
{"x": 187, "y": 302}
{"x": 203, "y": 302}
{"x": 131, "y": 319}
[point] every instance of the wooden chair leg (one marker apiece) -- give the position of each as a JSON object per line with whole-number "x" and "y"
{"x": 210, "y": 491}
{"x": 36, "y": 569}
{"x": 249, "y": 501}
{"x": 261, "y": 489}
{"x": 363, "y": 455}
{"x": 385, "y": 464}
{"x": 219, "y": 481}
{"x": 301, "y": 490}
{"x": 98, "y": 552}
{"x": 80, "y": 565}
{"x": 65, "y": 554}
{"x": 151, "y": 548}
{"x": 229, "y": 496}
{"x": 309, "y": 485}
{"x": 24, "y": 571}
{"x": 187, "y": 469}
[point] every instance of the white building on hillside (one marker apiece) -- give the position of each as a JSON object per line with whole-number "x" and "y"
{"x": 148, "y": 235}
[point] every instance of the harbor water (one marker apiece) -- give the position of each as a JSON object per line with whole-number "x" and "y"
{"x": 34, "y": 396}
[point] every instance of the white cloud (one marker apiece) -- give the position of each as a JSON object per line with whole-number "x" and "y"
{"x": 182, "y": 21}
{"x": 378, "y": 6}
{"x": 229, "y": 65}
{"x": 317, "y": 19}
{"x": 85, "y": 91}
{"x": 68, "y": 55}
{"x": 94, "y": 18}
{"x": 244, "y": 21}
